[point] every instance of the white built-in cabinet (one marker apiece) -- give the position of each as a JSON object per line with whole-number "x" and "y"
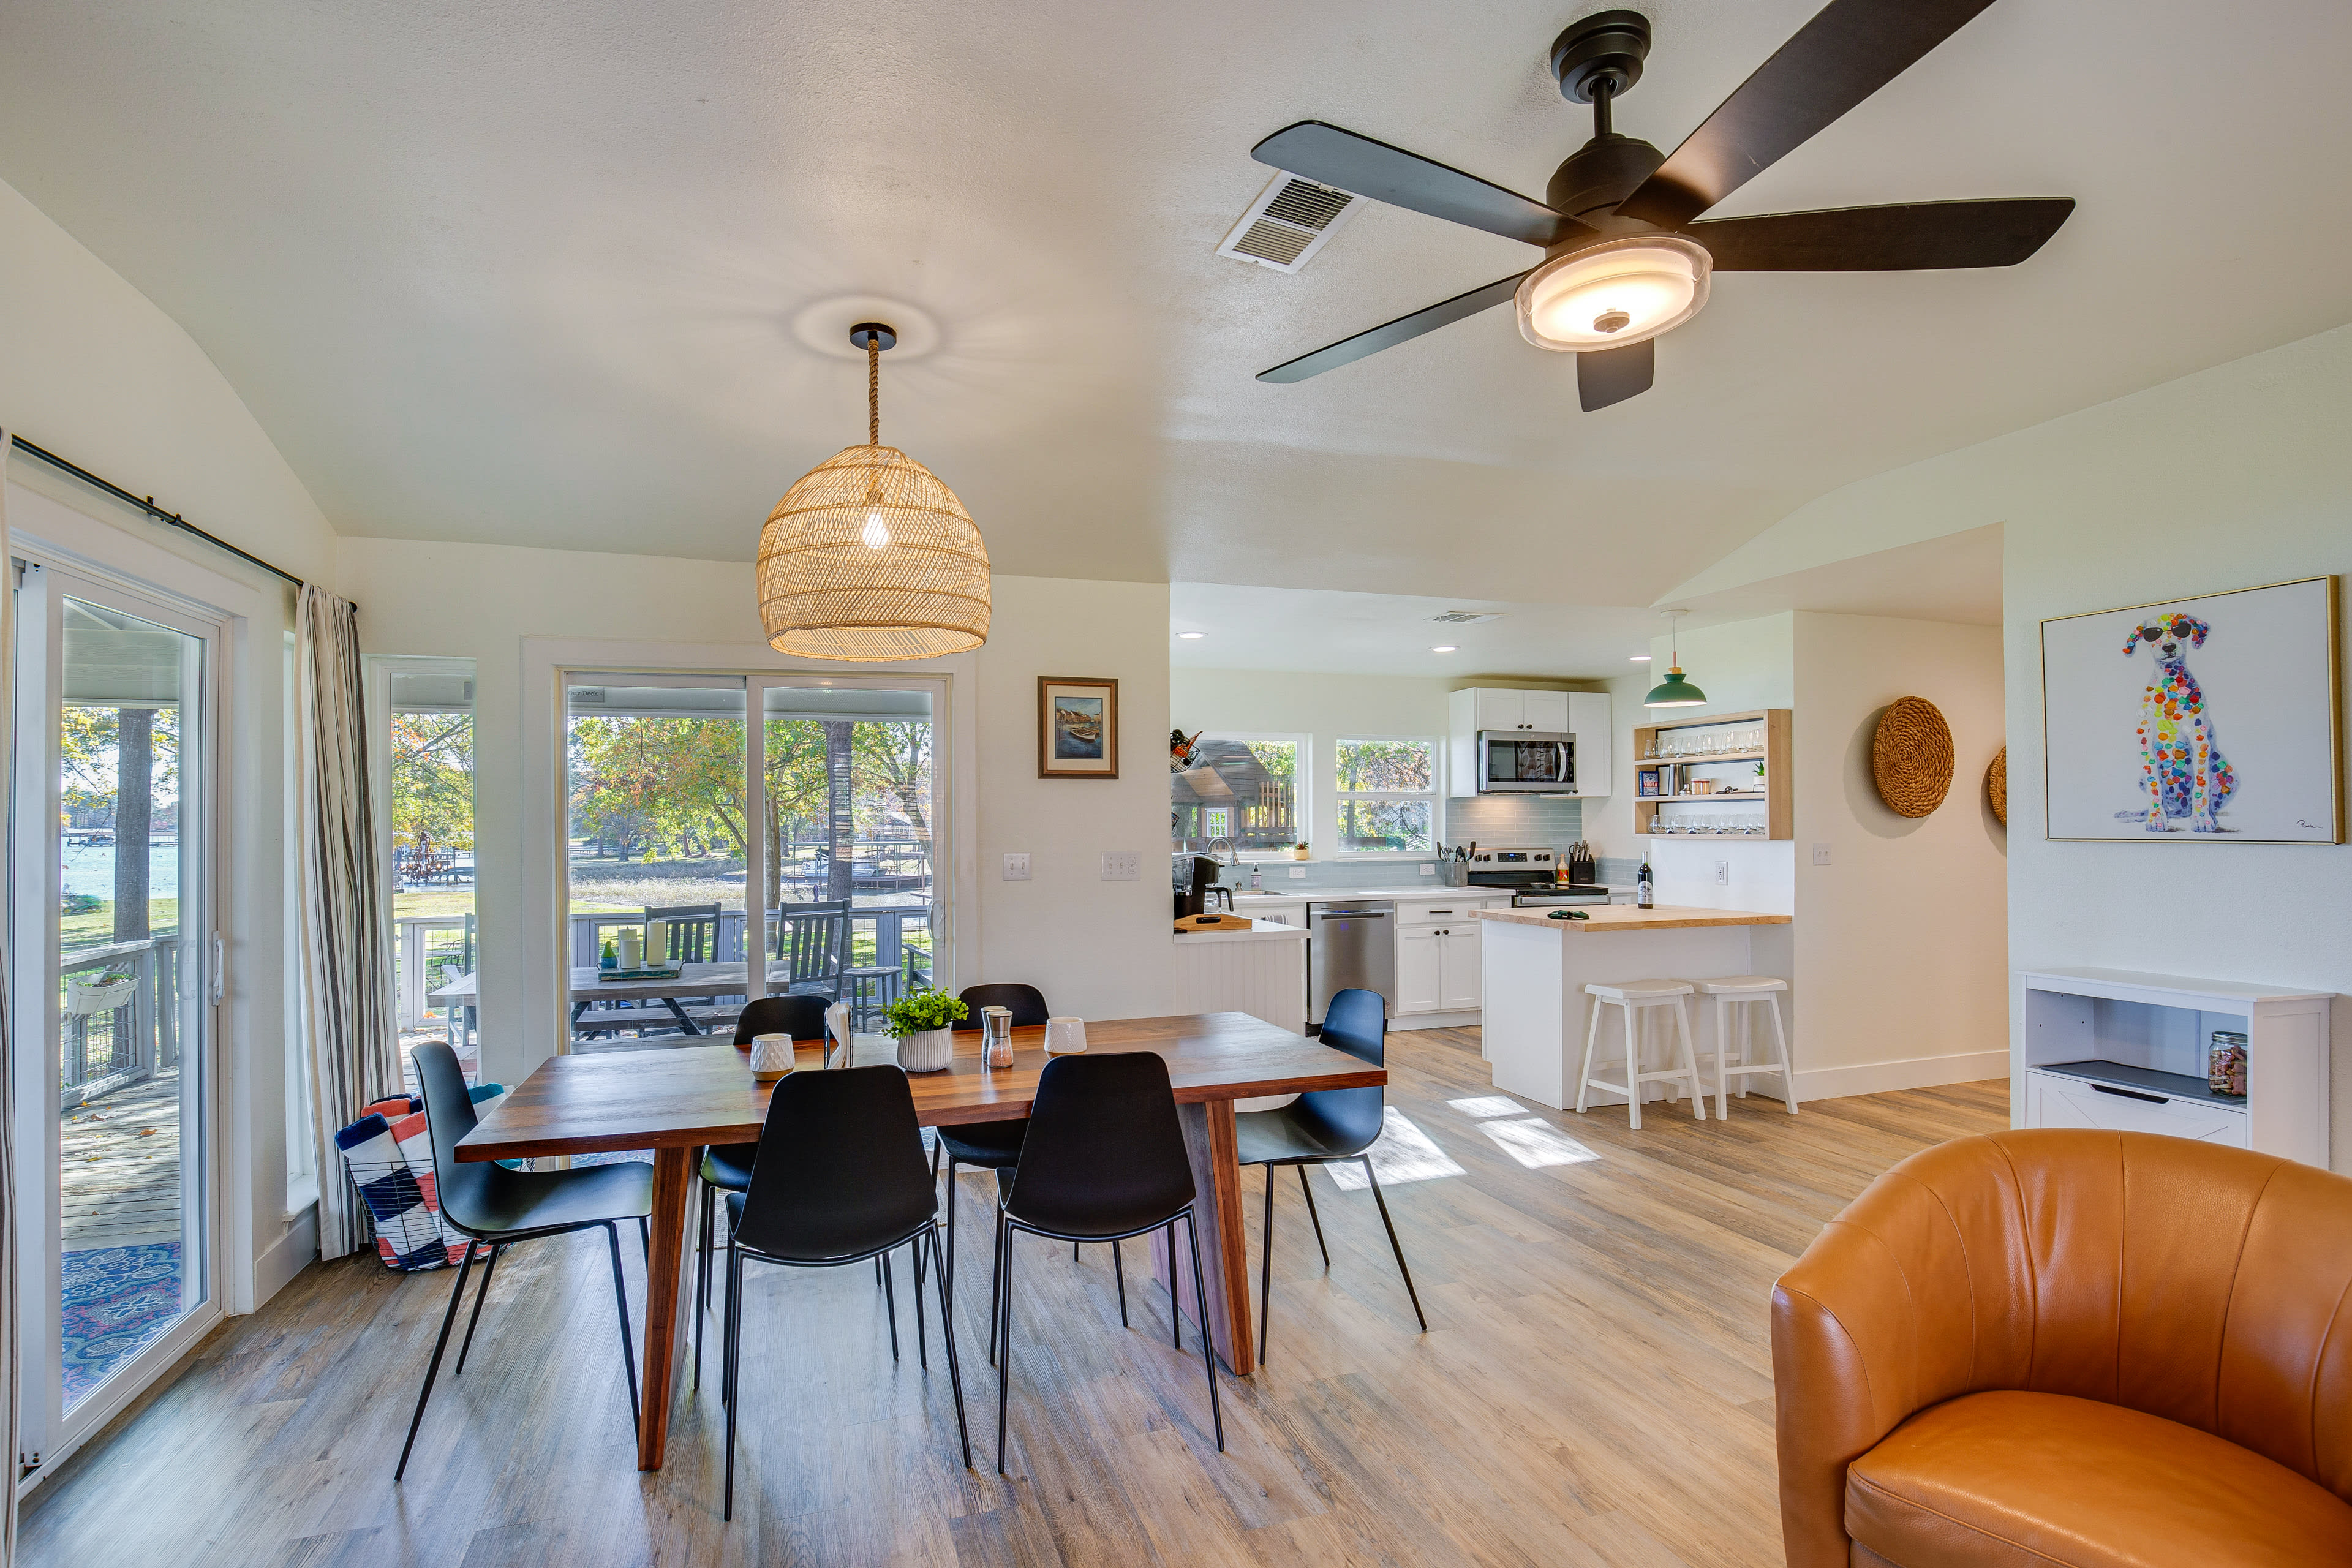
{"x": 1581, "y": 714}
{"x": 1438, "y": 958}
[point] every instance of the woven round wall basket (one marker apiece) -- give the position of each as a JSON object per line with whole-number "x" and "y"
{"x": 1911, "y": 757}
{"x": 1997, "y": 786}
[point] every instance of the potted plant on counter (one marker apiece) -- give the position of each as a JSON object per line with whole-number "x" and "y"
{"x": 923, "y": 1023}
{"x": 1298, "y": 850}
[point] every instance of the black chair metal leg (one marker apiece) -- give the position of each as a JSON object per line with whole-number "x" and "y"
{"x": 1118, "y": 1272}
{"x": 646, "y": 1240}
{"x": 1307, "y": 1187}
{"x": 949, "y": 1266}
{"x": 480, "y": 1293}
{"x": 433, "y": 1368}
{"x": 947, "y": 1332}
{"x": 922, "y": 1345}
{"x": 1001, "y": 1311}
{"x": 1265, "y": 1269}
{"x": 1175, "y": 1306}
{"x": 1201, "y": 1294}
{"x": 891, "y": 1301}
{"x": 702, "y": 1281}
{"x": 620, "y": 1299}
{"x": 1395, "y": 1244}
{"x": 1073, "y": 1252}
{"x": 996, "y": 1286}
{"x": 732, "y": 1339}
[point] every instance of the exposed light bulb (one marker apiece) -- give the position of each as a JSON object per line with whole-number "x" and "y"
{"x": 876, "y": 534}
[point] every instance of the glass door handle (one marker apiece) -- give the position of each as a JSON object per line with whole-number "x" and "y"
{"x": 220, "y": 951}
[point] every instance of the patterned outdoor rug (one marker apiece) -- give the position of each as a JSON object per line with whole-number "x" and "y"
{"x": 118, "y": 1301}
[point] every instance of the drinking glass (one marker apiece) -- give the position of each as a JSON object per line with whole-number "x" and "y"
{"x": 1064, "y": 1036}
{"x": 996, "y": 1037}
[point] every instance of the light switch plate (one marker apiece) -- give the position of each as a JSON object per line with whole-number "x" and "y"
{"x": 1723, "y": 873}
{"x": 1429, "y": 870}
{"x": 1820, "y": 854}
{"x": 1122, "y": 865}
{"x": 1298, "y": 873}
{"x": 1016, "y": 868}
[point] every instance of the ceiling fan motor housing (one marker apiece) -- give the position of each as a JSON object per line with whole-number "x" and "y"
{"x": 1606, "y": 47}
{"x": 1601, "y": 174}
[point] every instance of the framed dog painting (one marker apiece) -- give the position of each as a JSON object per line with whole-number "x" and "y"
{"x": 2209, "y": 720}
{"x": 1077, "y": 728}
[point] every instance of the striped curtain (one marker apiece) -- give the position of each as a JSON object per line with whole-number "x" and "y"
{"x": 346, "y": 932}
{"x": 10, "y": 1346}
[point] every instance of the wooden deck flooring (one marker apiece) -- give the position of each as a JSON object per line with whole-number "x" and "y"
{"x": 119, "y": 1162}
{"x": 1594, "y": 1390}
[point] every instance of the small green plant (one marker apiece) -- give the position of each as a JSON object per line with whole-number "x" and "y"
{"x": 83, "y": 903}
{"x": 921, "y": 1010}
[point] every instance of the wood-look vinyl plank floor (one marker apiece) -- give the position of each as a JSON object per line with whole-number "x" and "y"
{"x": 1594, "y": 1390}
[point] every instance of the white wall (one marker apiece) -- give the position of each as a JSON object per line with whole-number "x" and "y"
{"x": 90, "y": 370}
{"x": 1901, "y": 942}
{"x": 1095, "y": 947}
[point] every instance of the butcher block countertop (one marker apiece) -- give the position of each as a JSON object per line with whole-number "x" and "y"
{"x": 1625, "y": 916}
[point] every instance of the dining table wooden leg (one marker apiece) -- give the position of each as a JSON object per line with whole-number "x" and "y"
{"x": 1225, "y": 1251}
{"x": 673, "y": 1169}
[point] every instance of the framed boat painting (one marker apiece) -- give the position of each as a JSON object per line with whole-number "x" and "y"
{"x": 1077, "y": 728}
{"x": 2208, "y": 720}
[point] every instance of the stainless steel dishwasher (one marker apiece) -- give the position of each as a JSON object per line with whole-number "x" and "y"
{"x": 1349, "y": 942}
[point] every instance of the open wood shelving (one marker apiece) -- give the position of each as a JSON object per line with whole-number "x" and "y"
{"x": 1779, "y": 812}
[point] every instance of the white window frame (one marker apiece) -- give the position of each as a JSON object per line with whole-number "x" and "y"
{"x": 1435, "y": 795}
{"x": 1302, "y": 807}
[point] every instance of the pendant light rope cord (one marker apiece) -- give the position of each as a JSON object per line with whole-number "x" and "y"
{"x": 873, "y": 392}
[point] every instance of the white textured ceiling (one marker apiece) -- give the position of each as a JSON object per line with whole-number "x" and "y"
{"x": 526, "y": 273}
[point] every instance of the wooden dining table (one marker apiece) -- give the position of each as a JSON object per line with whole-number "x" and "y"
{"x": 675, "y": 1099}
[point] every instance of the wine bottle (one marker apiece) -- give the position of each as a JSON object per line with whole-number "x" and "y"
{"x": 1645, "y": 892}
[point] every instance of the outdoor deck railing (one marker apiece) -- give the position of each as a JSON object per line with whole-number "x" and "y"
{"x": 103, "y": 1048}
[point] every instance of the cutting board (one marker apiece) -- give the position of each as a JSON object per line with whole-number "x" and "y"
{"x": 1211, "y": 922}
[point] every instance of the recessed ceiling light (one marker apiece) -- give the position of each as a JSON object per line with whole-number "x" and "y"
{"x": 1190, "y": 636}
{"x": 1445, "y": 648}
{"x": 1641, "y": 659}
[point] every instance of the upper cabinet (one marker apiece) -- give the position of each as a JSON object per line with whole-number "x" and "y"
{"x": 1499, "y": 710}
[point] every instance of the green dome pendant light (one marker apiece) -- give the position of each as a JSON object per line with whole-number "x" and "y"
{"x": 1675, "y": 691}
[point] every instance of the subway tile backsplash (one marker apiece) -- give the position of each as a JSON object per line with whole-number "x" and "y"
{"x": 1488, "y": 818}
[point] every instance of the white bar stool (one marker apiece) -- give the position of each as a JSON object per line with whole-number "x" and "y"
{"x": 1637, "y": 996}
{"x": 1727, "y": 994}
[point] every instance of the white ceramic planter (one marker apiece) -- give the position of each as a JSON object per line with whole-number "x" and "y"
{"x": 928, "y": 1051}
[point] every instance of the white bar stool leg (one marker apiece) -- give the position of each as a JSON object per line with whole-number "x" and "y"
{"x": 1723, "y": 1056}
{"x": 1690, "y": 1060}
{"x": 1780, "y": 1044}
{"x": 1633, "y": 1069}
{"x": 1592, "y": 1039}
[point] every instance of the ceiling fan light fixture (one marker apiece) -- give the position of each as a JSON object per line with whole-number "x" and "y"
{"x": 1608, "y": 295}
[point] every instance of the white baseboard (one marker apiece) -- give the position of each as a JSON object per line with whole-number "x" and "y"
{"x": 1467, "y": 1019}
{"x": 1881, "y": 1078}
{"x": 276, "y": 1267}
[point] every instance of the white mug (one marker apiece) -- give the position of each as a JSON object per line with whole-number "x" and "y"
{"x": 772, "y": 1056}
{"x": 1064, "y": 1036}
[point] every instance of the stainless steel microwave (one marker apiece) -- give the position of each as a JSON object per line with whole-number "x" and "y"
{"x": 1526, "y": 761}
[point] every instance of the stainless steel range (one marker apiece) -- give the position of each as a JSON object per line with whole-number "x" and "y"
{"x": 1530, "y": 871}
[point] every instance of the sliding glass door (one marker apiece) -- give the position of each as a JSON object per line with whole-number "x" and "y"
{"x": 710, "y": 860}
{"x": 113, "y": 944}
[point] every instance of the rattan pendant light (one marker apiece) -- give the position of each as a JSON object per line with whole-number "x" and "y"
{"x": 869, "y": 556}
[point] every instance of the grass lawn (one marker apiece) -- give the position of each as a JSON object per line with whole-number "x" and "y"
{"x": 95, "y": 928}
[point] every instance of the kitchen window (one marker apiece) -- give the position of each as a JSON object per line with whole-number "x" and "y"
{"x": 1386, "y": 796}
{"x": 1243, "y": 789}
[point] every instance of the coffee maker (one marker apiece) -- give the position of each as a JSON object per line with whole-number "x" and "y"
{"x": 1195, "y": 879}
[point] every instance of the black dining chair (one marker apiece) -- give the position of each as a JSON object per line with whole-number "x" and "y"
{"x": 839, "y": 1179}
{"x": 726, "y": 1167}
{"x": 990, "y": 1145}
{"x": 1104, "y": 1161}
{"x": 1322, "y": 1128}
{"x": 490, "y": 1203}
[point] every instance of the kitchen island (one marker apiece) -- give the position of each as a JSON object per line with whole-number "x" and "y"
{"x": 1536, "y": 970}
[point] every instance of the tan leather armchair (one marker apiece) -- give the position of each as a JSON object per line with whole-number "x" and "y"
{"x": 2069, "y": 1347}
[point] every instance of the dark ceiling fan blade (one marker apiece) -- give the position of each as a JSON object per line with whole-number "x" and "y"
{"x": 1913, "y": 236}
{"x": 1403, "y": 179}
{"x": 1444, "y": 313}
{"x": 1604, "y": 376}
{"x": 1848, "y": 51}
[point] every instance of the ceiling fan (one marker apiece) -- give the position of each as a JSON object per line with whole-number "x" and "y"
{"x": 1626, "y": 257}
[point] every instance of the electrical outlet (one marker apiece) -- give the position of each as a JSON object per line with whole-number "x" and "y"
{"x": 1298, "y": 873}
{"x": 1723, "y": 873}
{"x": 1016, "y": 868}
{"x": 1429, "y": 870}
{"x": 1820, "y": 854}
{"x": 1121, "y": 865}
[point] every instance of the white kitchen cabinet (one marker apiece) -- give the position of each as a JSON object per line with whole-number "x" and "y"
{"x": 1459, "y": 964}
{"x": 1588, "y": 721}
{"x": 1498, "y": 710}
{"x": 1420, "y": 970}
{"x": 1544, "y": 710}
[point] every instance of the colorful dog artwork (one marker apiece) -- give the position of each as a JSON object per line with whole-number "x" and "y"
{"x": 2208, "y": 718}
{"x": 2183, "y": 774}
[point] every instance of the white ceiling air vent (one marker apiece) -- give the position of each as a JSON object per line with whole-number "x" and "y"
{"x": 1467, "y": 617}
{"x": 1288, "y": 224}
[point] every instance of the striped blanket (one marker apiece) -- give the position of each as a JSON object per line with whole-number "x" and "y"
{"x": 389, "y": 1154}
